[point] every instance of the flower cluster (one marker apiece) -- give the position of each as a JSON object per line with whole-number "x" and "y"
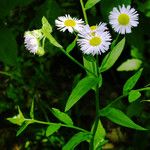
{"x": 94, "y": 39}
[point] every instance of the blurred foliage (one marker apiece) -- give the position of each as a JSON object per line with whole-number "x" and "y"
{"x": 48, "y": 79}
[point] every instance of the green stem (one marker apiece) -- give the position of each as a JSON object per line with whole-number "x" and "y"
{"x": 75, "y": 61}
{"x": 97, "y": 108}
{"x": 84, "y": 12}
{"x": 5, "y": 73}
{"x": 50, "y": 123}
{"x": 144, "y": 89}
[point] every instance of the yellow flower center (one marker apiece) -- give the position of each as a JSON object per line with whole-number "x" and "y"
{"x": 95, "y": 41}
{"x": 123, "y": 19}
{"x": 93, "y": 28}
{"x": 70, "y": 23}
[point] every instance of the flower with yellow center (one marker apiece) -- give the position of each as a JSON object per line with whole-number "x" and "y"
{"x": 123, "y": 19}
{"x": 93, "y": 29}
{"x": 66, "y": 22}
{"x": 96, "y": 43}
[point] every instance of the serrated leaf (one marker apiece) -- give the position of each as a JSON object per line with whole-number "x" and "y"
{"x": 62, "y": 116}
{"x": 90, "y": 3}
{"x": 130, "y": 65}
{"x": 110, "y": 59}
{"x": 133, "y": 95}
{"x": 120, "y": 118}
{"x": 23, "y": 127}
{"x": 32, "y": 110}
{"x": 99, "y": 135}
{"x": 80, "y": 90}
{"x": 71, "y": 46}
{"x": 130, "y": 83}
{"x": 46, "y": 27}
{"x": 76, "y": 140}
{"x": 52, "y": 129}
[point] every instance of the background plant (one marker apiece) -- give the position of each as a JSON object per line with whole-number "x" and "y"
{"x": 19, "y": 80}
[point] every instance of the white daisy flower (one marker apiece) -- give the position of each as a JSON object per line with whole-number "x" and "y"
{"x": 31, "y": 42}
{"x": 94, "y": 44}
{"x": 95, "y": 28}
{"x": 123, "y": 19}
{"x": 66, "y": 22}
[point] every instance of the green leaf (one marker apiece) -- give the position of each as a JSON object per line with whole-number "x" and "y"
{"x": 8, "y": 47}
{"x": 23, "y": 127}
{"x": 99, "y": 135}
{"x": 130, "y": 65}
{"x": 19, "y": 119}
{"x": 112, "y": 56}
{"x": 91, "y": 3}
{"x": 71, "y": 46}
{"x": 46, "y": 27}
{"x": 130, "y": 83}
{"x": 118, "y": 117}
{"x": 52, "y": 40}
{"x": 90, "y": 64}
{"x": 62, "y": 116}
{"x": 52, "y": 129}
{"x": 32, "y": 110}
{"x": 81, "y": 89}
{"x": 133, "y": 95}
{"x": 136, "y": 53}
{"x": 76, "y": 140}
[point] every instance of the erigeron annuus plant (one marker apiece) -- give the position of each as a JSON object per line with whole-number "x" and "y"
{"x": 93, "y": 41}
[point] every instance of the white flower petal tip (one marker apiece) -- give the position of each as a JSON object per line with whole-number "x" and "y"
{"x": 123, "y": 19}
{"x": 94, "y": 43}
{"x": 66, "y": 22}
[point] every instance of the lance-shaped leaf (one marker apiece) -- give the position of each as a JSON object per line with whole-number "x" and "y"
{"x": 62, "y": 116}
{"x": 46, "y": 26}
{"x": 133, "y": 95}
{"x": 46, "y": 30}
{"x": 130, "y": 65}
{"x": 81, "y": 89}
{"x": 130, "y": 83}
{"x": 90, "y": 63}
{"x": 76, "y": 140}
{"x": 71, "y": 46}
{"x": 110, "y": 59}
{"x": 23, "y": 127}
{"x": 52, "y": 129}
{"x": 90, "y": 3}
{"x": 99, "y": 135}
{"x": 120, "y": 118}
{"x": 18, "y": 119}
